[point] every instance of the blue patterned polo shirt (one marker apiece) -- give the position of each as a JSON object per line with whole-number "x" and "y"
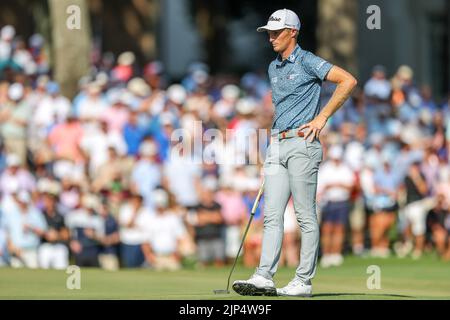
{"x": 296, "y": 85}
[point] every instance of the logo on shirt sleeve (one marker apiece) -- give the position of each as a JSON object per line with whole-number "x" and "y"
{"x": 321, "y": 65}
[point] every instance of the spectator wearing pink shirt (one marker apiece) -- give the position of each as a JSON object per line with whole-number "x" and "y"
{"x": 65, "y": 138}
{"x": 233, "y": 212}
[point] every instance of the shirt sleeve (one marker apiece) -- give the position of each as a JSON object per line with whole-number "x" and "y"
{"x": 316, "y": 66}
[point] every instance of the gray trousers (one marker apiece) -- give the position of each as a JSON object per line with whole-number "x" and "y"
{"x": 291, "y": 167}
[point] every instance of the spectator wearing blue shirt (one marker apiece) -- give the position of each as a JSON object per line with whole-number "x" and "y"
{"x": 146, "y": 175}
{"x": 385, "y": 206}
{"x": 133, "y": 134}
{"x": 24, "y": 225}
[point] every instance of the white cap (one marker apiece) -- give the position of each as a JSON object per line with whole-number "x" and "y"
{"x": 166, "y": 118}
{"x": 210, "y": 183}
{"x": 177, "y": 93}
{"x": 15, "y": 91}
{"x": 160, "y": 198}
{"x": 139, "y": 87}
{"x": 281, "y": 19}
{"x": 148, "y": 149}
{"x": 13, "y": 160}
{"x": 230, "y": 92}
{"x": 8, "y": 33}
{"x": 23, "y": 196}
{"x": 336, "y": 152}
{"x": 246, "y": 106}
{"x": 126, "y": 58}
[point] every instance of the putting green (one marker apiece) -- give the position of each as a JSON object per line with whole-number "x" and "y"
{"x": 427, "y": 278}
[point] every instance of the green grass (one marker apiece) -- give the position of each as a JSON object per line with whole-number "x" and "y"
{"x": 427, "y": 278}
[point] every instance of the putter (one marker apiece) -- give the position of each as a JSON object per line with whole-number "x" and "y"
{"x": 255, "y": 205}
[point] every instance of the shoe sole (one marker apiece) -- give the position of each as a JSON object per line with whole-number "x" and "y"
{"x": 295, "y": 296}
{"x": 247, "y": 289}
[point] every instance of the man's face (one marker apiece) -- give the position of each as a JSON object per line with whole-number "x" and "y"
{"x": 280, "y": 39}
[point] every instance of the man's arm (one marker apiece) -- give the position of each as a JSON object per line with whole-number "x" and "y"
{"x": 345, "y": 85}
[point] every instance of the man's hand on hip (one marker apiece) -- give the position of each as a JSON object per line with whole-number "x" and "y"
{"x": 315, "y": 127}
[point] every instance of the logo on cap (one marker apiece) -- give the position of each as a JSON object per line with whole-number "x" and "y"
{"x": 272, "y": 18}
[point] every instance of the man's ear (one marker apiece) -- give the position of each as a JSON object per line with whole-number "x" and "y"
{"x": 294, "y": 33}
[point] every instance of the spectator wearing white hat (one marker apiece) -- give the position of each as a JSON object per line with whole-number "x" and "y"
{"x": 146, "y": 174}
{"x": 95, "y": 143}
{"x": 335, "y": 183}
{"x": 140, "y": 91}
{"x": 94, "y": 106}
{"x": 14, "y": 119}
{"x": 24, "y": 225}
{"x": 176, "y": 98}
{"x": 7, "y": 35}
{"x": 164, "y": 235}
{"x": 124, "y": 69}
{"x": 134, "y": 218}
{"x": 86, "y": 227}
{"x": 224, "y": 108}
{"x": 244, "y": 130}
{"x": 13, "y": 179}
{"x": 52, "y": 109}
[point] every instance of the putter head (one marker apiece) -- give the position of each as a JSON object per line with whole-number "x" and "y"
{"x": 221, "y": 291}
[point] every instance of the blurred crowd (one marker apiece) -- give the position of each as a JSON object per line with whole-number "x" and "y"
{"x": 110, "y": 179}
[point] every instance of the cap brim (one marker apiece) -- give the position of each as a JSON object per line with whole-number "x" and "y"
{"x": 268, "y": 28}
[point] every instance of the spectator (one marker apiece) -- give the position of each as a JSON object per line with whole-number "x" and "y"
{"x": 65, "y": 138}
{"x": 25, "y": 225}
{"x": 146, "y": 175}
{"x": 133, "y": 134}
{"x": 234, "y": 212}
{"x": 110, "y": 241}
{"x": 417, "y": 206}
{"x": 85, "y": 229}
{"x": 335, "y": 183}
{"x": 378, "y": 88}
{"x": 385, "y": 205}
{"x": 94, "y": 106}
{"x": 53, "y": 251}
{"x": 439, "y": 222}
{"x": 162, "y": 249}
{"x": 133, "y": 220}
{"x": 209, "y": 230}
{"x": 14, "y": 118}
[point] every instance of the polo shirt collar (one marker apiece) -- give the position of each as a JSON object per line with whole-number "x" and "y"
{"x": 292, "y": 58}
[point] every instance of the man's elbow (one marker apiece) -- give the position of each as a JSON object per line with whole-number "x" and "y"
{"x": 351, "y": 82}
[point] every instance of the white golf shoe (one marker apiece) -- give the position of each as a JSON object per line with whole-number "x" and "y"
{"x": 256, "y": 286}
{"x": 296, "y": 288}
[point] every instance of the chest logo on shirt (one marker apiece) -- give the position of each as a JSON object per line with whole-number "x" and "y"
{"x": 292, "y": 76}
{"x": 274, "y": 79}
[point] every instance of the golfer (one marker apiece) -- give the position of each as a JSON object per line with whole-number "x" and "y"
{"x": 294, "y": 156}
